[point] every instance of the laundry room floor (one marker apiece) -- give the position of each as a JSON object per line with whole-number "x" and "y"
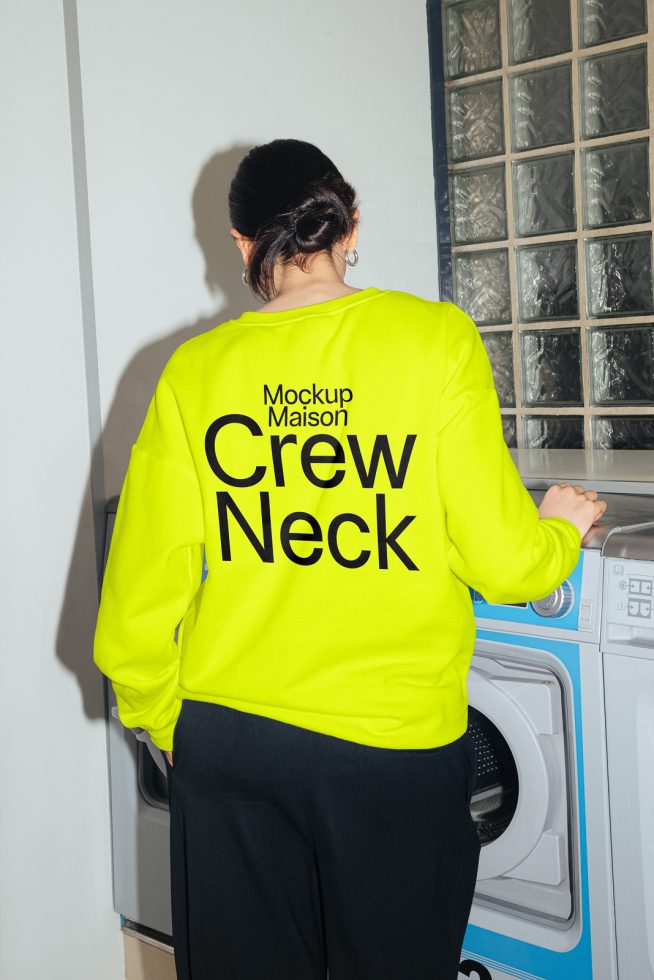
{"x": 146, "y": 958}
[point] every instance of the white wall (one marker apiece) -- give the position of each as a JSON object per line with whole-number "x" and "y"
{"x": 173, "y": 96}
{"x": 56, "y": 918}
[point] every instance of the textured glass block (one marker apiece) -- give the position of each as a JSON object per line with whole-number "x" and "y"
{"x": 621, "y": 364}
{"x": 547, "y": 281}
{"x": 478, "y": 202}
{"x": 614, "y": 93}
{"x": 499, "y": 347}
{"x": 554, "y": 431}
{"x": 623, "y": 432}
{"x": 509, "y": 431}
{"x": 543, "y": 195}
{"x": 606, "y": 20}
{"x": 619, "y": 273}
{"x": 541, "y": 107}
{"x": 472, "y": 37}
{"x": 551, "y": 367}
{"x": 538, "y": 29}
{"x": 476, "y": 121}
{"x": 481, "y": 282}
{"x": 616, "y": 184}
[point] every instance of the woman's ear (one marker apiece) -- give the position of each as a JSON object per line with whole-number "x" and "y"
{"x": 244, "y": 244}
{"x": 352, "y": 240}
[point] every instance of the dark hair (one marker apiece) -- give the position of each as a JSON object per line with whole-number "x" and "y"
{"x": 292, "y": 201}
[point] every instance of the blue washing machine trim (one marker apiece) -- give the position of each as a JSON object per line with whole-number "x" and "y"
{"x": 517, "y": 614}
{"x": 523, "y": 958}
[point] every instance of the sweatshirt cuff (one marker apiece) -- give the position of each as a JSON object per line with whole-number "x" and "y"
{"x": 163, "y": 737}
{"x": 571, "y": 530}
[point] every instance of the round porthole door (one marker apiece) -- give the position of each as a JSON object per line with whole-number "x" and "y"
{"x": 514, "y": 783}
{"x": 497, "y": 788}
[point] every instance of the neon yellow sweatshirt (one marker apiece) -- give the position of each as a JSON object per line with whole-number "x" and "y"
{"x": 343, "y": 467}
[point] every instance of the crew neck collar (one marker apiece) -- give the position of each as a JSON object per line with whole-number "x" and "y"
{"x": 313, "y": 309}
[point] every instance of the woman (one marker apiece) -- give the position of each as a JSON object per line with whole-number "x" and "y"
{"x": 338, "y": 454}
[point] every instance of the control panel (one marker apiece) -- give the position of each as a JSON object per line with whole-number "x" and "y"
{"x": 630, "y": 593}
{"x": 571, "y": 606}
{"x": 556, "y": 605}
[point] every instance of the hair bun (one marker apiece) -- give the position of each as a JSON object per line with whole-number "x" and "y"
{"x": 320, "y": 220}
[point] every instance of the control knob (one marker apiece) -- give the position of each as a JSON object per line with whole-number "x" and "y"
{"x": 557, "y": 604}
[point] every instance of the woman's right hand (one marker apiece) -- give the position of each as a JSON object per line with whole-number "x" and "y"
{"x": 581, "y": 507}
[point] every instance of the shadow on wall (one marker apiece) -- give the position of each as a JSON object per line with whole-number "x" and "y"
{"x": 223, "y": 268}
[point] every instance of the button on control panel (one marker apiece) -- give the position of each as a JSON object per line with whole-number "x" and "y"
{"x": 630, "y": 593}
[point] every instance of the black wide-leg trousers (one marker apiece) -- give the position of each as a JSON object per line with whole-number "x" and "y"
{"x": 294, "y": 852}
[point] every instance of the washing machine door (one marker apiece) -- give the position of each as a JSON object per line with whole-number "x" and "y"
{"x": 496, "y": 792}
{"x": 520, "y": 800}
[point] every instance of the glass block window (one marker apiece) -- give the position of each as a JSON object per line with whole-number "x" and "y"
{"x": 541, "y": 107}
{"x": 537, "y": 30}
{"x": 621, "y": 362}
{"x": 619, "y": 275}
{"x": 552, "y": 432}
{"x": 608, "y": 20}
{"x": 544, "y": 195}
{"x": 476, "y": 121}
{"x": 547, "y": 281}
{"x": 551, "y": 367}
{"x": 614, "y": 92}
{"x": 616, "y": 184}
{"x": 542, "y": 116}
{"x": 473, "y": 37}
{"x": 623, "y": 432}
{"x": 499, "y": 347}
{"x": 481, "y": 284}
{"x": 478, "y": 205}
{"x": 509, "y": 431}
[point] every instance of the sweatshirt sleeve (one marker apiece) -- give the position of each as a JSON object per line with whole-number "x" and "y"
{"x": 153, "y": 569}
{"x": 499, "y": 545}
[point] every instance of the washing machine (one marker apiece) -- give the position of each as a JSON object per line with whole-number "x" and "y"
{"x": 627, "y": 644}
{"x": 544, "y": 903}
